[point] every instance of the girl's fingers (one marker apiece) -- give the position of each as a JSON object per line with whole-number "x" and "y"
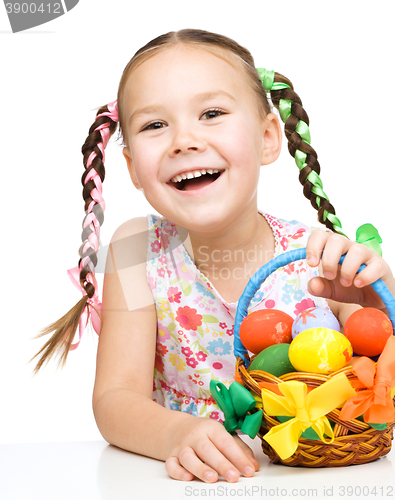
{"x": 206, "y": 462}
{"x": 335, "y": 247}
{"x": 333, "y": 290}
{"x": 176, "y": 470}
{"x": 247, "y": 450}
{"x": 368, "y": 275}
{"x": 326, "y": 248}
{"x": 343, "y": 283}
{"x": 320, "y": 287}
{"x": 356, "y": 255}
{"x": 315, "y": 245}
{"x": 207, "y": 451}
{"x": 235, "y": 455}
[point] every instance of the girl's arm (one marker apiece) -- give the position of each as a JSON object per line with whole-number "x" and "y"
{"x": 342, "y": 284}
{"x": 122, "y": 399}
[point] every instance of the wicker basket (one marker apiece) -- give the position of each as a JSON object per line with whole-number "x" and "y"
{"x": 355, "y": 442}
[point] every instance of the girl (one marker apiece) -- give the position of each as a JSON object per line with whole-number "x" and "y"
{"x": 197, "y": 127}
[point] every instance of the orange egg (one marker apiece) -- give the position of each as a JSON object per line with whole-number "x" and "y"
{"x": 265, "y": 327}
{"x": 368, "y": 330}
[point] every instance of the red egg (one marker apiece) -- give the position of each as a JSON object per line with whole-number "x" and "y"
{"x": 368, "y": 330}
{"x": 266, "y": 327}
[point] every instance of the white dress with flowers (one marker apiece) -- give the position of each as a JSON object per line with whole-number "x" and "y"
{"x": 195, "y": 324}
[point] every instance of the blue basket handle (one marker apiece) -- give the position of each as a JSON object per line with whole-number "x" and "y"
{"x": 282, "y": 260}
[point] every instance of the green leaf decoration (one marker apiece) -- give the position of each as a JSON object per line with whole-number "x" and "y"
{"x": 203, "y": 409}
{"x": 203, "y": 370}
{"x": 206, "y": 318}
{"x": 186, "y": 288}
{"x": 174, "y": 281}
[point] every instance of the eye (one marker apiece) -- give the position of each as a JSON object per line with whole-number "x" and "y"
{"x": 153, "y": 126}
{"x": 213, "y": 113}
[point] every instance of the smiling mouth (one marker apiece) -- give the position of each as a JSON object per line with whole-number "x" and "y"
{"x": 197, "y": 182}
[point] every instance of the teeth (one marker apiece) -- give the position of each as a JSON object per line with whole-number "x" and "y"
{"x": 196, "y": 173}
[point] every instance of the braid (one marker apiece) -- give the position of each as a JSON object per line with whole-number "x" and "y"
{"x": 92, "y": 179}
{"x": 297, "y": 132}
{"x": 83, "y": 276}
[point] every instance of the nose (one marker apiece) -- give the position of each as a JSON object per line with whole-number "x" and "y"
{"x": 185, "y": 141}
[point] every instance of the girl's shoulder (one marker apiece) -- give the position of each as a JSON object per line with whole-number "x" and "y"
{"x": 126, "y": 267}
{"x": 129, "y": 242}
{"x": 131, "y": 226}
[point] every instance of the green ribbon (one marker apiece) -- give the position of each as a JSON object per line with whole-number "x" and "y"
{"x": 285, "y": 109}
{"x": 368, "y": 235}
{"x": 235, "y": 404}
{"x": 266, "y": 77}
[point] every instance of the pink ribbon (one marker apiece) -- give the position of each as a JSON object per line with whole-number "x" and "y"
{"x": 112, "y": 111}
{"x": 96, "y": 193}
{"x": 95, "y": 309}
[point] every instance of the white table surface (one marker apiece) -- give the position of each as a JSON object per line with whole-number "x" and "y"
{"x": 96, "y": 470}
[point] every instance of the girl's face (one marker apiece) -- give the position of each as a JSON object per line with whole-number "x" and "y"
{"x": 188, "y": 112}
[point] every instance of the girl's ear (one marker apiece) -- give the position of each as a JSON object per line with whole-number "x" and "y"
{"x": 272, "y": 139}
{"x": 132, "y": 172}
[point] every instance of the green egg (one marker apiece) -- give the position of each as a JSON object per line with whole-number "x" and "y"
{"x": 274, "y": 359}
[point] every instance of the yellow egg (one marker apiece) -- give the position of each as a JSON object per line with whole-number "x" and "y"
{"x": 320, "y": 350}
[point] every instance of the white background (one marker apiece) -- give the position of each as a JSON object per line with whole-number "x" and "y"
{"x": 53, "y": 77}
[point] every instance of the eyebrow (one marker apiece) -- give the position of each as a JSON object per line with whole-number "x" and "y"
{"x": 199, "y": 98}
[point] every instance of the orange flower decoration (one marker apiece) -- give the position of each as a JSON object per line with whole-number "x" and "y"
{"x": 188, "y": 318}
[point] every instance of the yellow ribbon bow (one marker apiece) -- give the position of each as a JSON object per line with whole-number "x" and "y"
{"x": 308, "y": 410}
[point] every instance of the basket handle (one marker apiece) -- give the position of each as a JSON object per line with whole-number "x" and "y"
{"x": 282, "y": 260}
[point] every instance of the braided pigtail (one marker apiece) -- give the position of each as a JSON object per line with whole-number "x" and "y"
{"x": 297, "y": 132}
{"x": 83, "y": 276}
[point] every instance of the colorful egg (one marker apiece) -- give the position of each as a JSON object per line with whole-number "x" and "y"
{"x": 320, "y": 350}
{"x": 265, "y": 327}
{"x": 314, "y": 317}
{"x": 274, "y": 359}
{"x": 368, "y": 330}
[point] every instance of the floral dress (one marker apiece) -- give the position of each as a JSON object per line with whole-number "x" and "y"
{"x": 195, "y": 324}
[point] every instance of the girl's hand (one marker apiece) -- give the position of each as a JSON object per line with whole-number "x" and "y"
{"x": 341, "y": 283}
{"x": 203, "y": 448}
